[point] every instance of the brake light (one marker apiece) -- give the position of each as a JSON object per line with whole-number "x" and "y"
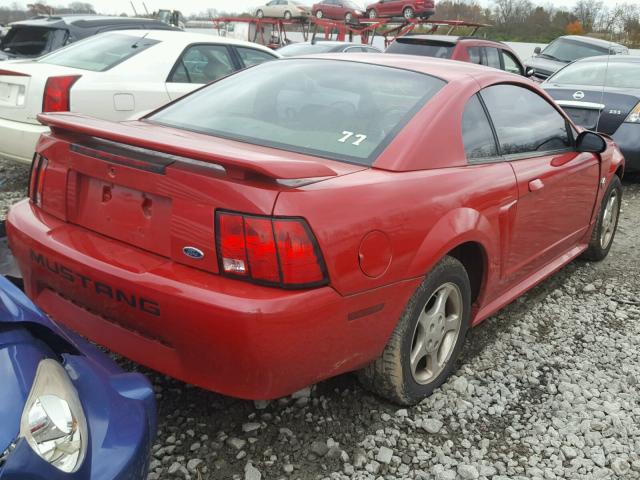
{"x": 57, "y": 93}
{"x": 36, "y": 179}
{"x": 269, "y": 250}
{"x": 634, "y": 116}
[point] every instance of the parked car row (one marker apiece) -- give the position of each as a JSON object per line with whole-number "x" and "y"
{"x": 192, "y": 227}
{"x": 347, "y": 10}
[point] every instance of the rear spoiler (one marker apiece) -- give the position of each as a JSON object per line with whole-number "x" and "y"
{"x": 237, "y": 159}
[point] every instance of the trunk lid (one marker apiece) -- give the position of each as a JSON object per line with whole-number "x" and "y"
{"x": 591, "y": 108}
{"x": 22, "y": 86}
{"x": 157, "y": 188}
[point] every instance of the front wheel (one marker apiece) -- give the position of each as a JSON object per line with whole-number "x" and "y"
{"x": 260, "y": 14}
{"x": 287, "y": 15}
{"x": 348, "y": 17}
{"x": 408, "y": 13}
{"x": 423, "y": 348}
{"x": 372, "y": 14}
{"x": 606, "y": 224}
{"x": 319, "y": 14}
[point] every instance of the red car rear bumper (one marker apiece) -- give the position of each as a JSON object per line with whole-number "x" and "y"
{"x": 228, "y": 336}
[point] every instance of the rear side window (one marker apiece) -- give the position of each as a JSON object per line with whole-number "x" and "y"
{"x": 33, "y": 41}
{"x": 511, "y": 65}
{"x": 202, "y": 64}
{"x": 493, "y": 57}
{"x": 524, "y": 121}
{"x": 328, "y": 108}
{"x": 99, "y": 53}
{"x": 474, "y": 55}
{"x": 253, "y": 56}
{"x": 421, "y": 47}
{"x": 477, "y": 135}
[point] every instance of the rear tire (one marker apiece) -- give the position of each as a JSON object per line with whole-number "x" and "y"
{"x": 260, "y": 14}
{"x": 372, "y": 14}
{"x": 287, "y": 15}
{"x": 423, "y": 348}
{"x": 319, "y": 14}
{"x": 348, "y": 17}
{"x": 607, "y": 223}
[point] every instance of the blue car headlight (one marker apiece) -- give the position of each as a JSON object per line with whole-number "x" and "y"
{"x": 53, "y": 422}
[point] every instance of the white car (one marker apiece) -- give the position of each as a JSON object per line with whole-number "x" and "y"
{"x": 115, "y": 76}
{"x": 286, "y": 9}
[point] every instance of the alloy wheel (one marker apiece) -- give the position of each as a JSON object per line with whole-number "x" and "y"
{"x": 408, "y": 13}
{"x": 609, "y": 219}
{"x": 319, "y": 14}
{"x": 436, "y": 333}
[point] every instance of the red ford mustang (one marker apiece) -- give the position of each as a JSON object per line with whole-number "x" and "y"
{"x": 313, "y": 216}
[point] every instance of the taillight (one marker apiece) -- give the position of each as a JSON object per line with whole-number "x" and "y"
{"x": 57, "y": 92}
{"x": 269, "y": 250}
{"x": 36, "y": 179}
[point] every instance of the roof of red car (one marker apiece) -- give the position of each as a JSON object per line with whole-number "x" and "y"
{"x": 448, "y": 70}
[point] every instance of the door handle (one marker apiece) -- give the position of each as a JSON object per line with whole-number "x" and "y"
{"x": 536, "y": 185}
{"x": 560, "y": 161}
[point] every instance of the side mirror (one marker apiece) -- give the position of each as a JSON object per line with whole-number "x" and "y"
{"x": 529, "y": 72}
{"x": 537, "y": 50}
{"x": 590, "y": 142}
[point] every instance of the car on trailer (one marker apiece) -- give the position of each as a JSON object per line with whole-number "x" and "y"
{"x": 309, "y": 216}
{"x": 325, "y": 46}
{"x": 41, "y": 35}
{"x": 407, "y": 9}
{"x": 68, "y": 411}
{"x": 286, "y": 9}
{"x": 603, "y": 94}
{"x": 115, "y": 75}
{"x": 346, "y": 10}
{"x": 466, "y": 49}
{"x": 567, "y": 49}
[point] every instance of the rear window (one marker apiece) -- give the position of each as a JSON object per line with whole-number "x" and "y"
{"x": 339, "y": 110}
{"x": 599, "y": 73}
{"x": 99, "y": 53}
{"x": 32, "y": 41}
{"x": 421, "y": 47}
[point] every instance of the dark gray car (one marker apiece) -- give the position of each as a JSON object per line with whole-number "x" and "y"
{"x": 567, "y": 49}
{"x": 43, "y": 34}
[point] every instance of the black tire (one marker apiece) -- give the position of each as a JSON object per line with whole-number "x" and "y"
{"x": 287, "y": 15}
{"x": 408, "y": 13}
{"x": 372, "y": 14}
{"x": 390, "y": 376}
{"x": 597, "y": 250}
{"x": 259, "y": 14}
{"x": 348, "y": 17}
{"x": 319, "y": 14}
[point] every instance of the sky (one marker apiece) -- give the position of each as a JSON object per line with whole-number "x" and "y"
{"x": 195, "y": 6}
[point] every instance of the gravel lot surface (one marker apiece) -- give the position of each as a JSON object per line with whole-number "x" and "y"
{"x": 546, "y": 389}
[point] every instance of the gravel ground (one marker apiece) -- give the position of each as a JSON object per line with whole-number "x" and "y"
{"x": 546, "y": 389}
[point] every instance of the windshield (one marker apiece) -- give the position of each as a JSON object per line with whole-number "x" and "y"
{"x": 305, "y": 49}
{"x": 421, "y": 47}
{"x": 566, "y": 50}
{"x": 598, "y": 74}
{"x": 329, "y": 108}
{"x": 99, "y": 53}
{"x": 32, "y": 41}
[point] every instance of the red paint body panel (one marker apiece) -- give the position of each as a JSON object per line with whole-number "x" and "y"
{"x": 104, "y": 253}
{"x": 396, "y": 8}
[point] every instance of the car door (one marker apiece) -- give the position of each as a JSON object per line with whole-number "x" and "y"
{"x": 492, "y": 57}
{"x": 557, "y": 186}
{"x": 271, "y": 9}
{"x": 334, "y": 9}
{"x": 199, "y": 64}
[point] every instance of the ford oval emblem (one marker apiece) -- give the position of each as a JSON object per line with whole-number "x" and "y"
{"x": 579, "y": 95}
{"x": 193, "y": 252}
